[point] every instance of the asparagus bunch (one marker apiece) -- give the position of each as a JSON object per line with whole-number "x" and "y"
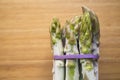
{"x": 89, "y": 33}
{"x": 57, "y": 47}
{"x": 95, "y": 36}
{"x": 71, "y": 36}
{"x": 81, "y": 35}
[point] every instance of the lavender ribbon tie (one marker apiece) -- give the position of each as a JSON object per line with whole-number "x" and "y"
{"x": 76, "y": 56}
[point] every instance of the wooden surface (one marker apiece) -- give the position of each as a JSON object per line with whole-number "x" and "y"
{"x": 25, "y": 52}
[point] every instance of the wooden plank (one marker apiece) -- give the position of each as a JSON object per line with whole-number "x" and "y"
{"x": 25, "y": 51}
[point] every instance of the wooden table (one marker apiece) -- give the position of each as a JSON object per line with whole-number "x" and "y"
{"x": 25, "y": 51}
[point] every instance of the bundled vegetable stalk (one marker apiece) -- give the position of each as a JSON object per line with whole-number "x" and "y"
{"x": 79, "y": 37}
{"x": 71, "y": 36}
{"x": 56, "y": 39}
{"x": 89, "y": 33}
{"x": 95, "y": 36}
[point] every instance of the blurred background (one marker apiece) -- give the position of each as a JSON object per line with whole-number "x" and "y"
{"x": 25, "y": 51}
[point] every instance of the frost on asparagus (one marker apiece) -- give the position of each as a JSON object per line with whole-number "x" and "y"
{"x": 56, "y": 38}
{"x": 95, "y": 24}
{"x": 86, "y": 38}
{"x": 55, "y": 31}
{"x": 89, "y": 37}
{"x": 85, "y": 41}
{"x": 71, "y": 35}
{"x": 95, "y": 36}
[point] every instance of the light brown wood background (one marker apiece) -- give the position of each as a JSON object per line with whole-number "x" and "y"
{"x": 25, "y": 52}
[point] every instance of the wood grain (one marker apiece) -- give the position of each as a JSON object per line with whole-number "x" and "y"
{"x": 25, "y": 51}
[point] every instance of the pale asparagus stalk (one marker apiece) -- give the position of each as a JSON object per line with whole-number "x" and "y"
{"x": 57, "y": 47}
{"x": 85, "y": 42}
{"x": 71, "y": 35}
{"x": 95, "y": 36}
{"x": 77, "y": 23}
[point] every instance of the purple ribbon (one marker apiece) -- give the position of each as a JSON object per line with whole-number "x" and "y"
{"x": 76, "y": 56}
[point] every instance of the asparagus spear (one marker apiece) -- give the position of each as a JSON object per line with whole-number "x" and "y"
{"x": 71, "y": 35}
{"x": 95, "y": 35}
{"x": 85, "y": 42}
{"x": 77, "y": 22}
{"x": 56, "y": 38}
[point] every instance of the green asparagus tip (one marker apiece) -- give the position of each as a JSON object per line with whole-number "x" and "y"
{"x": 56, "y": 22}
{"x": 72, "y": 26}
{"x": 55, "y": 30}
